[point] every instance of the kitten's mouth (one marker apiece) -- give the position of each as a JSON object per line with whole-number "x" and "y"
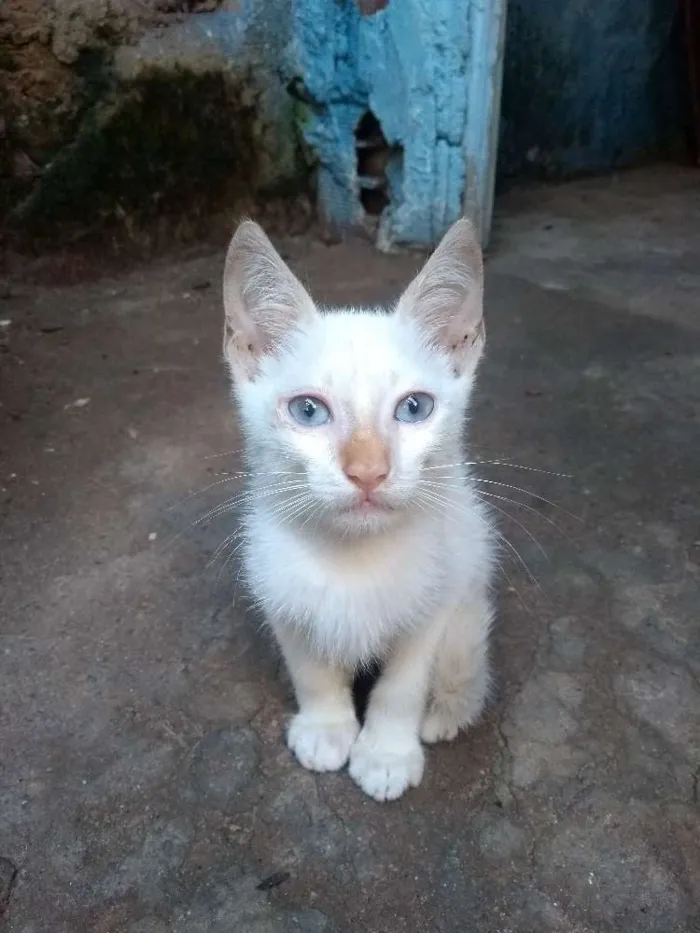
{"x": 367, "y": 507}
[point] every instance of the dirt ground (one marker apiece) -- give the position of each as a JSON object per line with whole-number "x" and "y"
{"x": 144, "y": 782}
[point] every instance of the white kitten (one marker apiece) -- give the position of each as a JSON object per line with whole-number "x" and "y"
{"x": 365, "y": 538}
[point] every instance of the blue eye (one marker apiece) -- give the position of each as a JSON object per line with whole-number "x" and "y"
{"x": 309, "y": 411}
{"x": 418, "y": 406}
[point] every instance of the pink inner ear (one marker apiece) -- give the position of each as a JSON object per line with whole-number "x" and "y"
{"x": 263, "y": 299}
{"x": 445, "y": 298}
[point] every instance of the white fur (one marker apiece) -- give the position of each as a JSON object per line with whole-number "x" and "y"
{"x": 339, "y": 587}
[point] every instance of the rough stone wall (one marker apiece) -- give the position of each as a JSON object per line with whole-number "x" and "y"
{"x": 118, "y": 114}
{"x": 114, "y": 112}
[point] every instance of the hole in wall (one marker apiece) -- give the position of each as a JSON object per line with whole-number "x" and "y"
{"x": 370, "y": 7}
{"x": 378, "y": 165}
{"x": 372, "y": 158}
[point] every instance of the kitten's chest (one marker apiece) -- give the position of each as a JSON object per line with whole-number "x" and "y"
{"x": 350, "y": 601}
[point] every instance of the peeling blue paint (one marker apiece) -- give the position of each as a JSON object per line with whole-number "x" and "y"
{"x": 430, "y": 74}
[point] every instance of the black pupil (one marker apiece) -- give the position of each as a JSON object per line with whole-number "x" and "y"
{"x": 413, "y": 404}
{"x": 309, "y": 409}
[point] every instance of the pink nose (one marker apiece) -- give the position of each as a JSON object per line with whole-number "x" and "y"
{"x": 365, "y": 476}
{"x": 365, "y": 459}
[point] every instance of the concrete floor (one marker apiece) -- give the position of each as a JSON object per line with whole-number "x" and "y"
{"x": 145, "y": 786}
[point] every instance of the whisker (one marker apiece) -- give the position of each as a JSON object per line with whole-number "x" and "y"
{"x": 249, "y": 495}
{"x": 240, "y": 452}
{"x": 288, "y": 515}
{"x": 529, "y": 492}
{"x": 288, "y": 504}
{"x": 500, "y": 563}
{"x": 224, "y": 453}
{"x": 229, "y": 539}
{"x": 521, "y": 526}
{"x": 528, "y": 508}
{"x": 452, "y": 504}
{"x": 492, "y": 495}
{"x": 229, "y": 505}
{"x": 228, "y": 560}
{"x": 448, "y": 466}
{"x": 229, "y": 478}
{"x": 199, "y": 492}
{"x": 505, "y": 463}
{"x": 525, "y": 492}
{"x": 314, "y": 513}
{"x": 229, "y": 557}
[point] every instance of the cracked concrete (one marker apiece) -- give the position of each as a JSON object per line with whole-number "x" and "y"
{"x": 145, "y": 786}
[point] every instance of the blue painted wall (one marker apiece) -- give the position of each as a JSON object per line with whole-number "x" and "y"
{"x": 589, "y": 86}
{"x": 429, "y": 73}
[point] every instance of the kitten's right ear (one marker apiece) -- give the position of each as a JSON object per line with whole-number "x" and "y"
{"x": 263, "y": 300}
{"x": 446, "y": 298}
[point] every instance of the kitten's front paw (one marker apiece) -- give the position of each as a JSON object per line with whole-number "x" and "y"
{"x": 322, "y": 743}
{"x": 384, "y": 770}
{"x": 439, "y": 726}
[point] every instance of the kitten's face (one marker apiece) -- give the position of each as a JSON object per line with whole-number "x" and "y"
{"x": 345, "y": 413}
{"x": 356, "y": 409}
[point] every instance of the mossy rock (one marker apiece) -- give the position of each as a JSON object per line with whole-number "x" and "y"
{"x": 170, "y": 143}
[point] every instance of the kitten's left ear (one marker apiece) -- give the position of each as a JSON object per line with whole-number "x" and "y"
{"x": 446, "y": 298}
{"x": 263, "y": 300}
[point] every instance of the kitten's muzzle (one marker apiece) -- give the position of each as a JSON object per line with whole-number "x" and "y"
{"x": 365, "y": 460}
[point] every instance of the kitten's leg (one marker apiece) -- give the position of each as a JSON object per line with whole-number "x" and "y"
{"x": 323, "y": 731}
{"x": 461, "y": 676}
{"x": 387, "y": 757}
